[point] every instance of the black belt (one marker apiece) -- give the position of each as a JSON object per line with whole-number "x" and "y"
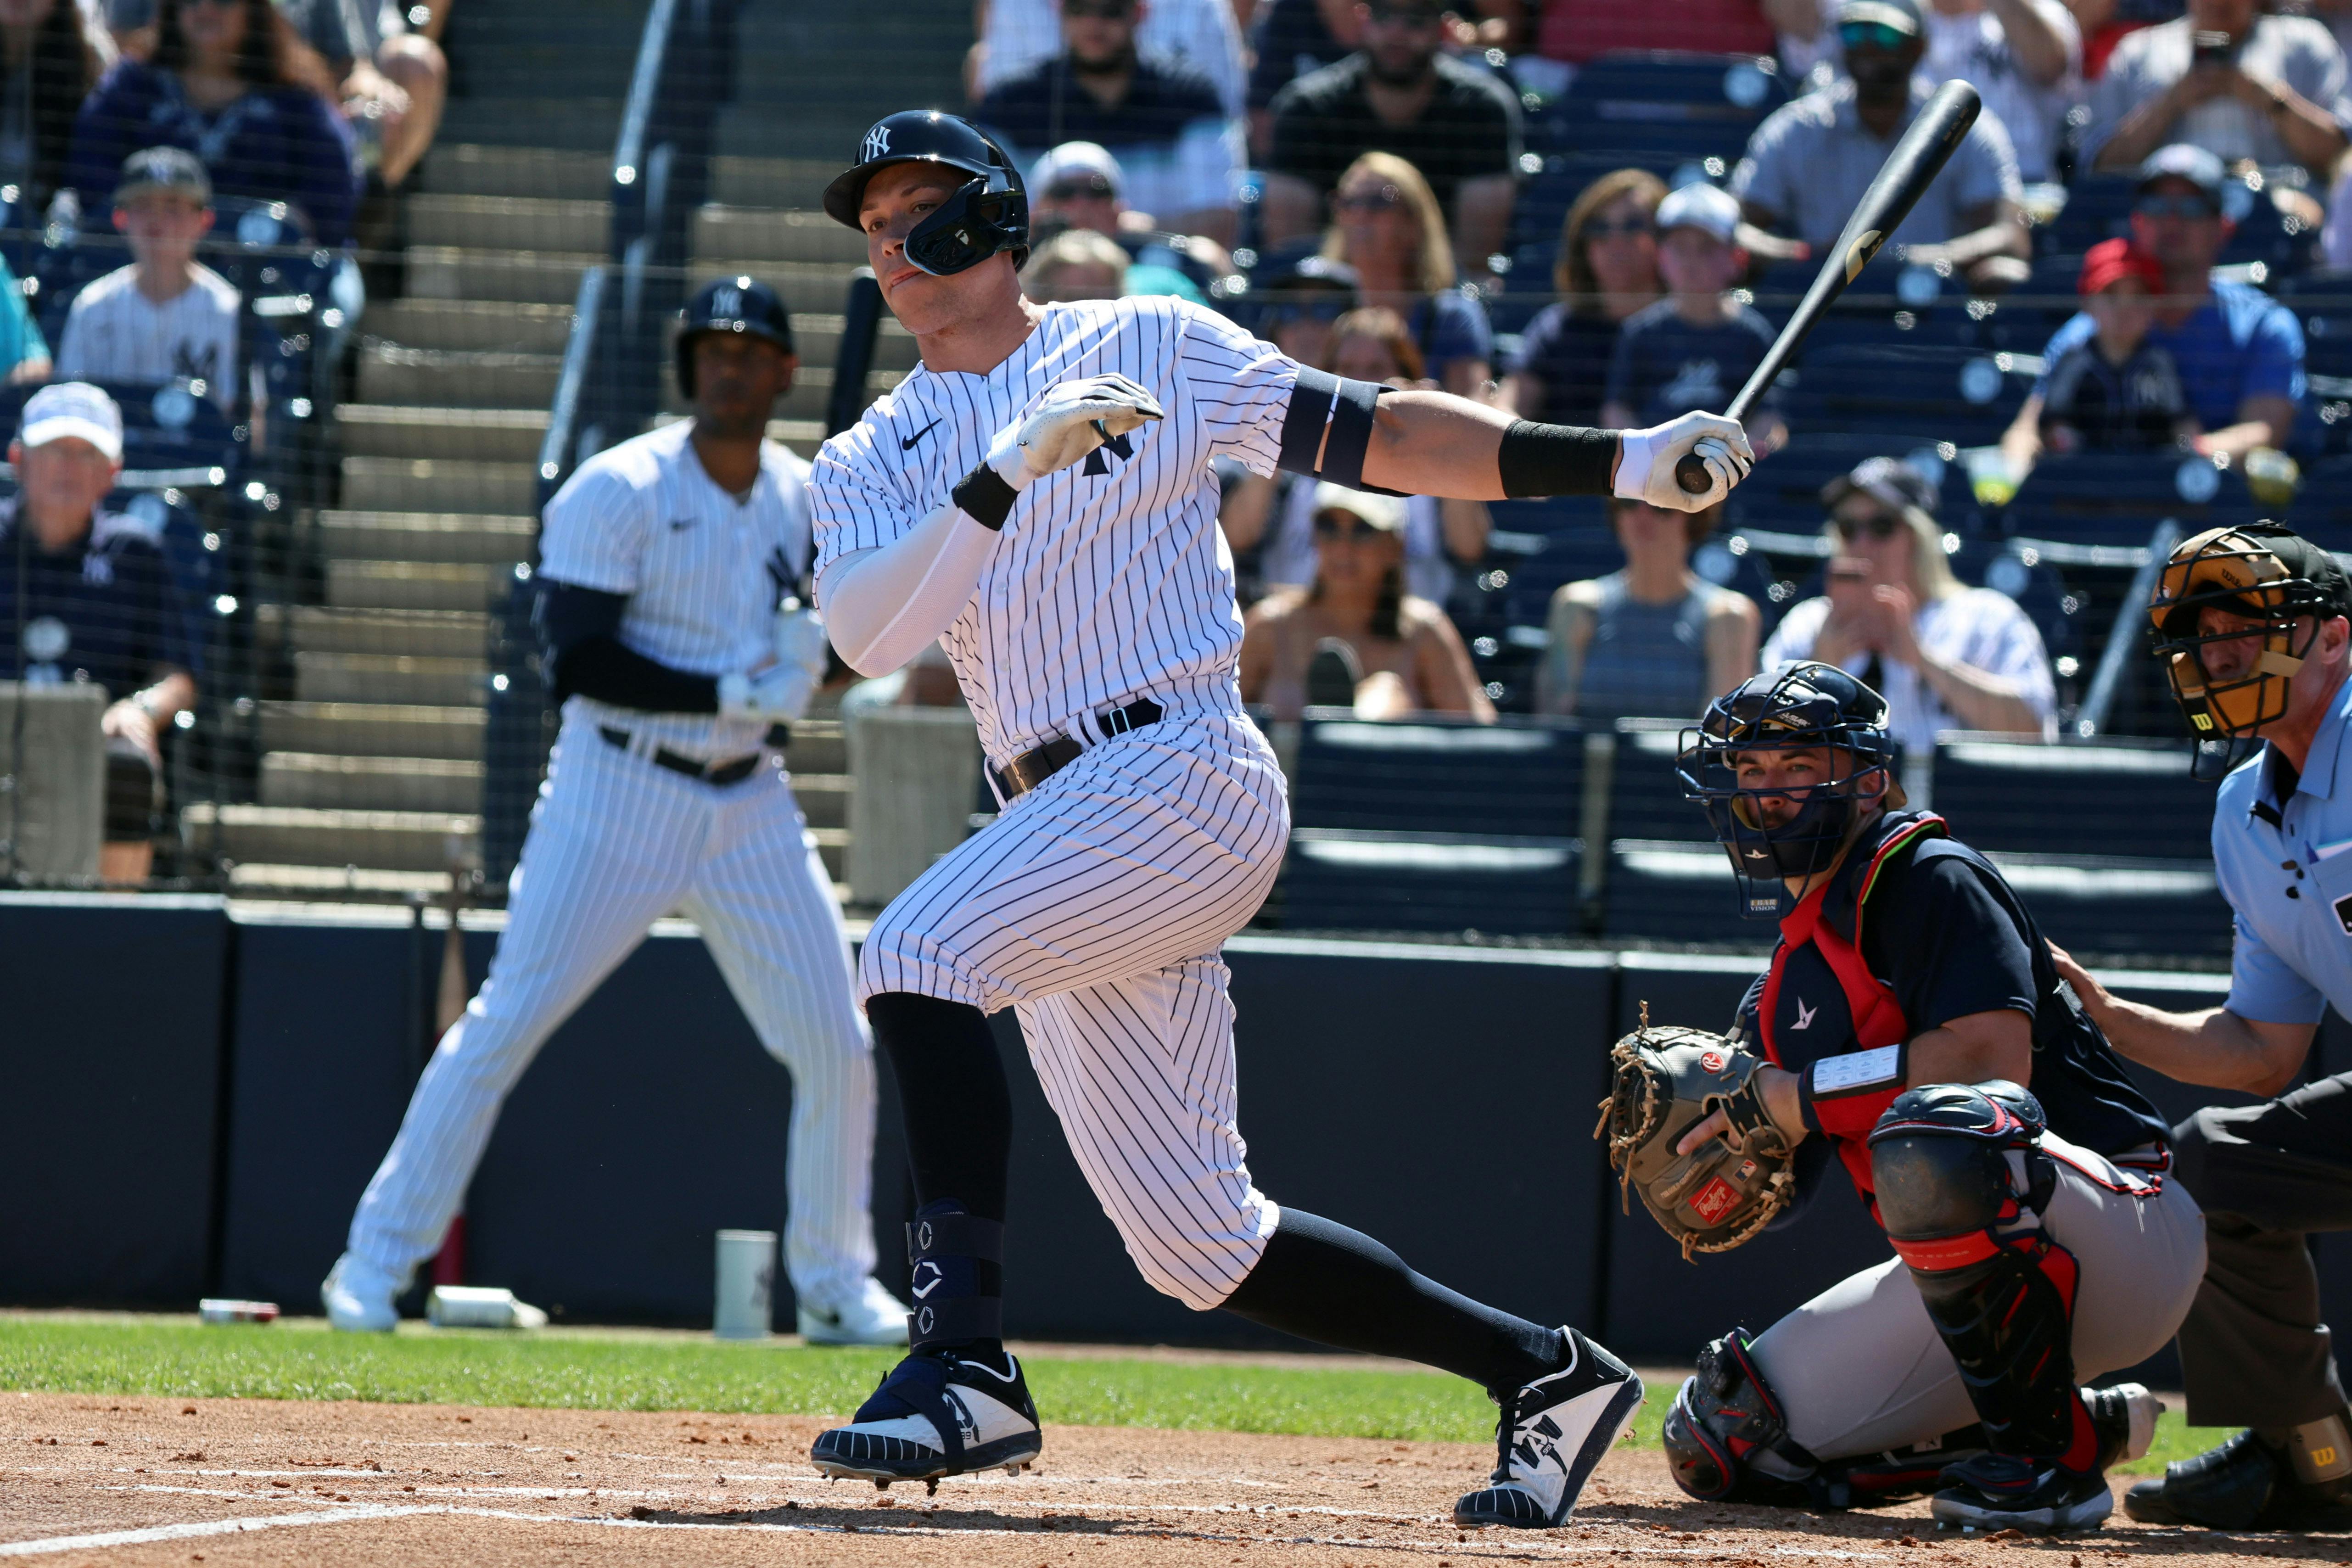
{"x": 730, "y": 772}
{"x": 1029, "y": 769}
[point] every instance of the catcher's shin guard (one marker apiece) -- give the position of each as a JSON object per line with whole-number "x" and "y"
{"x": 1961, "y": 1181}
{"x": 1726, "y": 1438}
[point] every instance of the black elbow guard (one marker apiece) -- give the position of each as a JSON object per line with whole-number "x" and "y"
{"x": 1329, "y": 427}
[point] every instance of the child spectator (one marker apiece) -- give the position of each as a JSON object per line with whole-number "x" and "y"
{"x": 1076, "y": 263}
{"x": 1606, "y": 271}
{"x": 2117, "y": 391}
{"x": 1696, "y": 347}
{"x": 165, "y": 317}
{"x": 230, "y": 82}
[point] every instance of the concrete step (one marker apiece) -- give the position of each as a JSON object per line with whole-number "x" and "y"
{"x": 373, "y": 729}
{"x": 817, "y": 335}
{"x": 805, "y": 285}
{"x": 771, "y": 182}
{"x": 817, "y": 748}
{"x": 316, "y": 836}
{"x": 342, "y": 884}
{"x": 391, "y": 678}
{"x": 812, "y": 389}
{"x": 435, "y": 484}
{"x": 468, "y": 539}
{"x": 415, "y": 585}
{"x": 315, "y": 628}
{"x": 513, "y": 223}
{"x": 370, "y": 784}
{"x": 760, "y": 234}
{"x": 578, "y": 125}
{"x": 470, "y": 168}
{"x": 531, "y": 276}
{"x": 823, "y": 797}
{"x": 457, "y": 378}
{"x": 479, "y": 326}
{"x": 484, "y": 435}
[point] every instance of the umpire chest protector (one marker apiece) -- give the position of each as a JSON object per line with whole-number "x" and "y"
{"x": 1819, "y": 1011}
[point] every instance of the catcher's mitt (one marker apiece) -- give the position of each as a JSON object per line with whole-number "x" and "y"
{"x": 1726, "y": 1190}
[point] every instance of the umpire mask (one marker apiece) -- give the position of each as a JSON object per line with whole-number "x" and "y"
{"x": 2266, "y": 578}
{"x": 1805, "y": 707}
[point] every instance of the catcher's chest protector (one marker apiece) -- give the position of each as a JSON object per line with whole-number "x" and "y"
{"x": 1821, "y": 1001}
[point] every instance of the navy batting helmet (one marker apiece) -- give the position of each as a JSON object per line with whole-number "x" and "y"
{"x": 730, "y": 305}
{"x": 989, "y": 213}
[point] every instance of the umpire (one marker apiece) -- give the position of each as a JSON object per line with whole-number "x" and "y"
{"x": 2252, "y": 624}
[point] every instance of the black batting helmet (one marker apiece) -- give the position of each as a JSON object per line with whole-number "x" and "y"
{"x": 988, "y": 214}
{"x": 730, "y": 305}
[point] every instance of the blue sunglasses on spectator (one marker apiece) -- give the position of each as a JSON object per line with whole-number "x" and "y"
{"x": 1872, "y": 35}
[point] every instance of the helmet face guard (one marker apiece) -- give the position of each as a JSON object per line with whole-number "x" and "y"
{"x": 1806, "y": 707}
{"x": 2235, "y": 572}
{"x": 982, "y": 218}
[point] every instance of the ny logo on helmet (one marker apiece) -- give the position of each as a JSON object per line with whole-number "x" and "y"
{"x": 878, "y": 145}
{"x": 727, "y": 304}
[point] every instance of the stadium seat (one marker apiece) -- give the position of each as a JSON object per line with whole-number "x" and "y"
{"x": 1573, "y": 542}
{"x": 1645, "y": 796}
{"x": 2022, "y": 572}
{"x": 1670, "y": 101}
{"x": 2322, "y": 301}
{"x": 1784, "y": 493}
{"x": 1966, "y": 396}
{"x": 2093, "y": 904}
{"x": 1336, "y": 880}
{"x": 1662, "y": 890}
{"x": 2120, "y": 798}
{"x": 170, "y": 436}
{"x": 2322, "y": 508}
{"x": 1521, "y": 780}
{"x": 2115, "y": 498}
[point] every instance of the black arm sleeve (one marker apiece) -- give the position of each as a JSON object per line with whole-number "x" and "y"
{"x": 1556, "y": 461}
{"x": 582, "y": 652}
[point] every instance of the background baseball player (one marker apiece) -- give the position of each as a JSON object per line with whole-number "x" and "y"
{"x": 2251, "y": 623}
{"x": 678, "y": 650}
{"x": 1039, "y": 491}
{"x": 1914, "y": 1019}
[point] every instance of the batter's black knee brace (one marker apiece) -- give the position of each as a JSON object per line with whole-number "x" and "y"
{"x": 1956, "y": 1168}
{"x": 1726, "y": 1437}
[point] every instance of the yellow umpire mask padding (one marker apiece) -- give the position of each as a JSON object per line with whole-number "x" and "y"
{"x": 2236, "y": 572}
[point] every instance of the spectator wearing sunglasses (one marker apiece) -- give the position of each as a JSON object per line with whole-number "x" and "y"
{"x": 2245, "y": 86}
{"x": 1176, "y": 148}
{"x": 1400, "y": 94}
{"x": 2239, "y": 352}
{"x": 1356, "y": 636}
{"x": 1810, "y": 162}
{"x": 1079, "y": 185}
{"x": 1203, "y": 36}
{"x": 1945, "y": 657}
{"x": 1385, "y": 223}
{"x": 1607, "y": 270}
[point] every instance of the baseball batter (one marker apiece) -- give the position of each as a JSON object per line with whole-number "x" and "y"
{"x": 1038, "y": 493}
{"x": 678, "y": 651}
{"x": 1917, "y": 1029}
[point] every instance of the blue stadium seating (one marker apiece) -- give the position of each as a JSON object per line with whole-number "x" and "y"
{"x": 2116, "y": 498}
{"x": 2322, "y": 508}
{"x": 1966, "y": 396}
{"x": 1427, "y": 881}
{"x": 1783, "y": 492}
{"x": 1669, "y": 101}
{"x": 1645, "y": 797}
{"x": 2093, "y": 904}
{"x": 1676, "y": 892}
{"x": 2127, "y": 798}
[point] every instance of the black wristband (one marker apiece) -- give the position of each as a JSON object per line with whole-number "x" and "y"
{"x": 1556, "y": 461}
{"x": 984, "y": 497}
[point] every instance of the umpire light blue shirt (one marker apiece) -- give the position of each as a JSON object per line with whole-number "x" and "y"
{"x": 2286, "y": 869}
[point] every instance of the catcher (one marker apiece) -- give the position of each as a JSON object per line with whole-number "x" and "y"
{"x": 1913, "y": 1026}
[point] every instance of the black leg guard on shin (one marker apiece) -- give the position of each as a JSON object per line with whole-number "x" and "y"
{"x": 1945, "y": 1162}
{"x": 1338, "y": 1287}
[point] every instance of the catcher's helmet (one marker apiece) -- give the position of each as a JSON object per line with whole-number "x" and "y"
{"x": 730, "y": 305}
{"x": 1801, "y": 708}
{"x": 2267, "y": 575}
{"x": 989, "y": 213}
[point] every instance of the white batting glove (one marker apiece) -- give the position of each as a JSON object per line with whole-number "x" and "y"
{"x": 779, "y": 691}
{"x": 1069, "y": 421}
{"x": 1647, "y": 459}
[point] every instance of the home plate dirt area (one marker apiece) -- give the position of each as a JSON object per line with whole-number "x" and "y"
{"x": 123, "y": 1483}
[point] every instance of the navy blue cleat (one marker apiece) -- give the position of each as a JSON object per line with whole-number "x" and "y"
{"x": 1550, "y": 1435}
{"x": 938, "y": 1413}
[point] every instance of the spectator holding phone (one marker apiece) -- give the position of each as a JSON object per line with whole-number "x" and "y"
{"x": 229, "y": 82}
{"x": 2243, "y": 85}
{"x": 1945, "y": 657}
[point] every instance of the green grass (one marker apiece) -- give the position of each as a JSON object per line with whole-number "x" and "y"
{"x": 588, "y": 1369}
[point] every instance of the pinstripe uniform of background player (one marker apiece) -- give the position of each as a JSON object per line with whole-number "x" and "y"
{"x": 661, "y": 584}
{"x": 1076, "y": 576}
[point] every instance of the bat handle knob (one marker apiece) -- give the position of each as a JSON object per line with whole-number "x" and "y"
{"x": 1690, "y": 472}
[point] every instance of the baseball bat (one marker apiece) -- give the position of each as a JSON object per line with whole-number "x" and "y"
{"x": 1905, "y": 175}
{"x": 861, "y": 319}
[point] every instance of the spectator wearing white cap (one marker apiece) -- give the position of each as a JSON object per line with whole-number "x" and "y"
{"x": 1355, "y": 636}
{"x": 1178, "y": 149}
{"x": 166, "y": 316}
{"x": 1698, "y": 346}
{"x": 96, "y": 604}
{"x": 1079, "y": 185}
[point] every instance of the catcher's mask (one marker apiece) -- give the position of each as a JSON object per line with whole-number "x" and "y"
{"x": 1804, "y": 707}
{"x": 2268, "y": 576}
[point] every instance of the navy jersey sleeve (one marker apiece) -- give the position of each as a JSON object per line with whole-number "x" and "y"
{"x": 1943, "y": 934}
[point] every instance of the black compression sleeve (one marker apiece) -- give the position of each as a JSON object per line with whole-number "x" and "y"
{"x": 601, "y": 667}
{"x": 1556, "y": 461}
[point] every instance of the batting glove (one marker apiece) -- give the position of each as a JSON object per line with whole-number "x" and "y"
{"x": 781, "y": 689}
{"x": 1647, "y": 459}
{"x": 1069, "y": 421}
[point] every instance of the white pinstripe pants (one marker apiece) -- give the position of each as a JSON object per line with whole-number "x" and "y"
{"x": 616, "y": 843}
{"x": 1095, "y": 907}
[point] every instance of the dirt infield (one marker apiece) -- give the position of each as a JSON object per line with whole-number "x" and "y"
{"x": 129, "y": 1483}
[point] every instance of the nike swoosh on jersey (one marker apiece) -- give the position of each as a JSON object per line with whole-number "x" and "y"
{"x": 908, "y": 443}
{"x": 680, "y": 524}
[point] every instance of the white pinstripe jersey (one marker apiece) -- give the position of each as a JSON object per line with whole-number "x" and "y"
{"x": 113, "y": 333}
{"x": 1111, "y": 580}
{"x": 703, "y": 571}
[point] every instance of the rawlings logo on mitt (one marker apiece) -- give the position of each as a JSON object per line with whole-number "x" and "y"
{"x": 1667, "y": 1080}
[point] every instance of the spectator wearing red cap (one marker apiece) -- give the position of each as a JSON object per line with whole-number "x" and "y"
{"x": 2116, "y": 391}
